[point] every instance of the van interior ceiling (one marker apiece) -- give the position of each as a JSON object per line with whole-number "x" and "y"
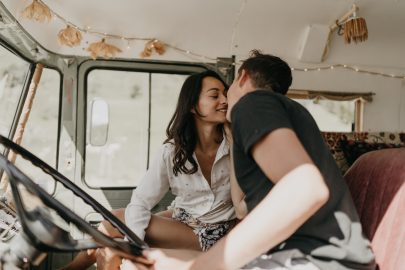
{"x": 89, "y": 87}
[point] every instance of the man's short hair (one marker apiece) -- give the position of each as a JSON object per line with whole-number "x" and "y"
{"x": 267, "y": 72}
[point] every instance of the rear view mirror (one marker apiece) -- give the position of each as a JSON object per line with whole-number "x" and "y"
{"x": 99, "y": 122}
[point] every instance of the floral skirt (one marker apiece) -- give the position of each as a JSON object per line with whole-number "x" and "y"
{"x": 208, "y": 233}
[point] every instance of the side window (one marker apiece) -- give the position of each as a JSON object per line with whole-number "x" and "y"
{"x": 140, "y": 106}
{"x": 41, "y": 131}
{"x": 13, "y": 73}
{"x": 332, "y": 110}
{"x": 331, "y": 115}
{"x": 121, "y": 160}
{"x": 165, "y": 92}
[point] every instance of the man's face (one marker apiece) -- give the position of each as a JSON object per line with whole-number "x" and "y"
{"x": 234, "y": 94}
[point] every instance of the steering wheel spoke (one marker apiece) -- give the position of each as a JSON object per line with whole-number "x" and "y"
{"x": 40, "y": 233}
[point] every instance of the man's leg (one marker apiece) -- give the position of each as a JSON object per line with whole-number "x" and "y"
{"x": 282, "y": 260}
{"x": 180, "y": 254}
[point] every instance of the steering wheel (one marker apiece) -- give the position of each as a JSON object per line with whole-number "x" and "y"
{"x": 40, "y": 231}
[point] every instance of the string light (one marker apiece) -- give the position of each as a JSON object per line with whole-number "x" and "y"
{"x": 88, "y": 29}
{"x": 347, "y": 67}
{"x": 236, "y": 24}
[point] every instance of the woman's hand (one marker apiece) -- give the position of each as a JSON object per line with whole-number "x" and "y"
{"x": 241, "y": 209}
{"x": 107, "y": 259}
{"x": 108, "y": 229}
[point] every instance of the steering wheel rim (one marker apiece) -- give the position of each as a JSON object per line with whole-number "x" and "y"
{"x": 16, "y": 176}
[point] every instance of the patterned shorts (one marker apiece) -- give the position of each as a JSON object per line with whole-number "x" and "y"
{"x": 208, "y": 234}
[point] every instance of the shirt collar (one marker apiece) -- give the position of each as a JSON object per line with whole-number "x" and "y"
{"x": 223, "y": 149}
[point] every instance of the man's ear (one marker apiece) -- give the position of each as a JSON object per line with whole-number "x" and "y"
{"x": 243, "y": 77}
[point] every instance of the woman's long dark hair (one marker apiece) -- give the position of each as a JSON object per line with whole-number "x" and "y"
{"x": 181, "y": 130}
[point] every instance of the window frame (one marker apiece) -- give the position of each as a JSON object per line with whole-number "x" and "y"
{"x": 23, "y": 97}
{"x": 359, "y": 99}
{"x": 153, "y": 67}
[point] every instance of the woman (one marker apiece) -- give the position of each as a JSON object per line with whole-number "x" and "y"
{"x": 193, "y": 163}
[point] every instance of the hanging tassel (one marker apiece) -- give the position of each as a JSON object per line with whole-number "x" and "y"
{"x": 151, "y": 45}
{"x": 102, "y": 49}
{"x": 159, "y": 46}
{"x": 37, "y": 11}
{"x": 355, "y": 29}
{"x": 147, "y": 51}
{"x": 69, "y": 36}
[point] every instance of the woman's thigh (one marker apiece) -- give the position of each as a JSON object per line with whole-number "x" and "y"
{"x": 164, "y": 232}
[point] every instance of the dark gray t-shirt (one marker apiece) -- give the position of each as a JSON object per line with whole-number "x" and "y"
{"x": 333, "y": 236}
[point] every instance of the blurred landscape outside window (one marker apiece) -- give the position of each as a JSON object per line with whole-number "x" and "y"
{"x": 331, "y": 115}
{"x": 134, "y": 99}
{"x": 13, "y": 72}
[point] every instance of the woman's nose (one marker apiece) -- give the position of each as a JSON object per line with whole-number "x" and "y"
{"x": 224, "y": 100}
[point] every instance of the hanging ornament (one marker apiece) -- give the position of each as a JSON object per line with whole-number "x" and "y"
{"x": 69, "y": 36}
{"x": 37, "y": 11}
{"x": 147, "y": 51}
{"x": 102, "y": 49}
{"x": 151, "y": 45}
{"x": 159, "y": 46}
{"x": 355, "y": 29}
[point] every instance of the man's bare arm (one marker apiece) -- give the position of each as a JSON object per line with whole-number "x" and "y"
{"x": 298, "y": 193}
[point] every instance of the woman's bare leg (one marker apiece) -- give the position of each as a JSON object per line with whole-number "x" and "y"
{"x": 164, "y": 232}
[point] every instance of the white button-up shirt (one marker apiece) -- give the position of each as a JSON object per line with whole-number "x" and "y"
{"x": 192, "y": 191}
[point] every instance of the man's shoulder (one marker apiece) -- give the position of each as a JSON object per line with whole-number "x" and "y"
{"x": 263, "y": 100}
{"x": 263, "y": 96}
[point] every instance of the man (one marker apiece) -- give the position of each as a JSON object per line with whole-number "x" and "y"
{"x": 301, "y": 215}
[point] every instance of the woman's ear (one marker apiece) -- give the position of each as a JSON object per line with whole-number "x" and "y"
{"x": 192, "y": 110}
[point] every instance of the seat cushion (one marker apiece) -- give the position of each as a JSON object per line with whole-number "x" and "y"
{"x": 376, "y": 181}
{"x": 352, "y": 149}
